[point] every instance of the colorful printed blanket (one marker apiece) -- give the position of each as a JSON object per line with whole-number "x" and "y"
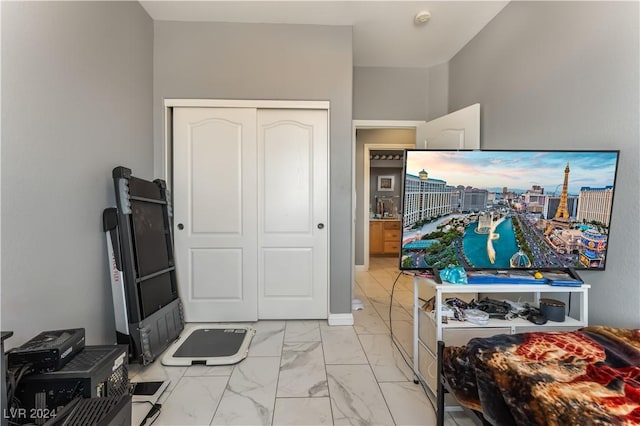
{"x": 586, "y": 377}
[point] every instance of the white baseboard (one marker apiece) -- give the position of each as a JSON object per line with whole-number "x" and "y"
{"x": 361, "y": 268}
{"x": 340, "y": 319}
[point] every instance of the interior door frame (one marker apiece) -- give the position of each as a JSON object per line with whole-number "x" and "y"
{"x": 167, "y": 146}
{"x": 371, "y": 124}
{"x": 366, "y": 199}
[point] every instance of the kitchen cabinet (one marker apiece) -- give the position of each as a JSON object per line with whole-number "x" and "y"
{"x": 384, "y": 237}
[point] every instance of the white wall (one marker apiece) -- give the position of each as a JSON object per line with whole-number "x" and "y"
{"x": 381, "y": 93}
{"x": 264, "y": 61}
{"x": 76, "y": 102}
{"x": 564, "y": 75}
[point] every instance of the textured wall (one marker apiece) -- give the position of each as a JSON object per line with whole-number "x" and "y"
{"x": 281, "y": 62}
{"x": 564, "y": 75}
{"x": 76, "y": 102}
{"x": 400, "y": 93}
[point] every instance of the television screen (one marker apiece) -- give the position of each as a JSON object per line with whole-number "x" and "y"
{"x": 507, "y": 209}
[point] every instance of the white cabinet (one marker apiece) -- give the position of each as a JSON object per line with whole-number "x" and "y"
{"x": 429, "y": 328}
{"x": 385, "y": 236}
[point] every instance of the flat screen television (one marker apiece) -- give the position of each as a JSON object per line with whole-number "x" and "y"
{"x": 507, "y": 209}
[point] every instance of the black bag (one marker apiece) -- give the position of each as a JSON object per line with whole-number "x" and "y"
{"x": 495, "y": 308}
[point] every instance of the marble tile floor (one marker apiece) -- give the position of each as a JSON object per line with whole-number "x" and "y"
{"x": 307, "y": 373}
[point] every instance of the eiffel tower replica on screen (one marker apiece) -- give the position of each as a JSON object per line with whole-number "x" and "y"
{"x": 561, "y": 219}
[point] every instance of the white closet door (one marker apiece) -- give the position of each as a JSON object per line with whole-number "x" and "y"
{"x": 214, "y": 198}
{"x": 292, "y": 214}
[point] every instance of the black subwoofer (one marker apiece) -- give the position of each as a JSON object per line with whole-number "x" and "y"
{"x": 553, "y": 309}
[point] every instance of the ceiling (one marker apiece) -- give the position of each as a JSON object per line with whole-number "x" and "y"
{"x": 384, "y": 32}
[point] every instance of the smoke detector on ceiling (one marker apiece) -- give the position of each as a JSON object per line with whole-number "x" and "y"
{"x": 422, "y": 17}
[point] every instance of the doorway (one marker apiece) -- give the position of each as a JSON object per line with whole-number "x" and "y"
{"x": 382, "y": 199}
{"x": 457, "y": 130}
{"x": 375, "y": 136}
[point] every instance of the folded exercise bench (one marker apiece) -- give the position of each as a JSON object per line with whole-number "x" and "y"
{"x": 147, "y": 307}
